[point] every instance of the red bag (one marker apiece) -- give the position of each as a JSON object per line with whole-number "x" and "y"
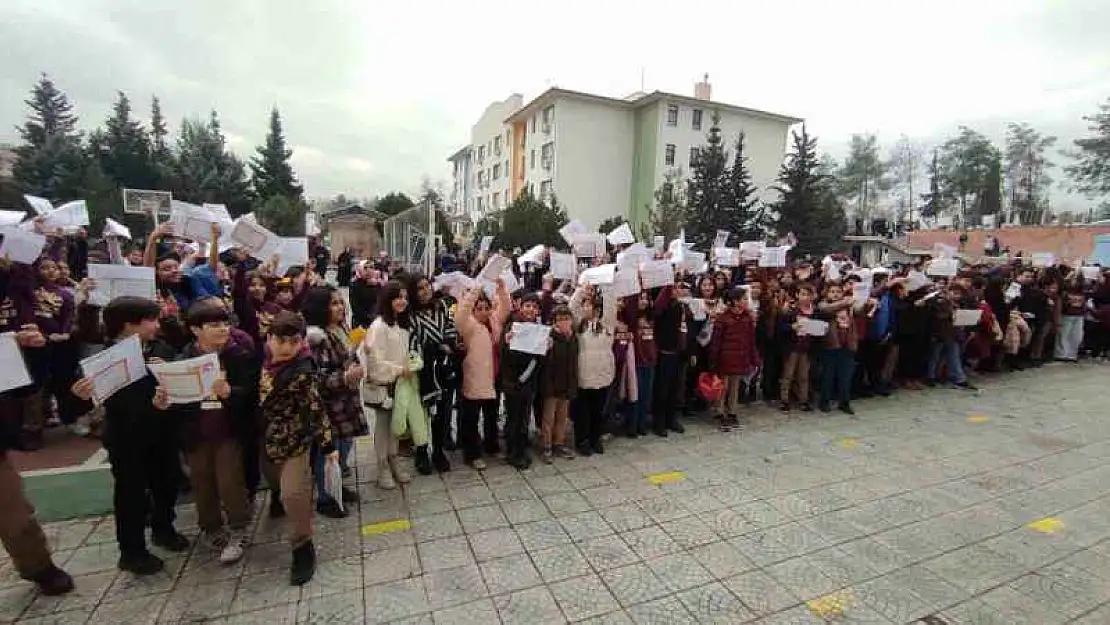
{"x": 711, "y": 386}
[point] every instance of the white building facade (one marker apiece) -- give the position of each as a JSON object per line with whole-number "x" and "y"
{"x": 605, "y": 157}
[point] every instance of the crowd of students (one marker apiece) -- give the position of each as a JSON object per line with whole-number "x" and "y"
{"x": 430, "y": 370}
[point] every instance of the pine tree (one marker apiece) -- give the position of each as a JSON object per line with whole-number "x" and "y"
{"x": 670, "y": 214}
{"x": 936, "y": 200}
{"x": 707, "y": 189}
{"x": 431, "y": 195}
{"x": 122, "y": 149}
{"x": 207, "y": 172}
{"x": 161, "y": 156}
{"x": 744, "y": 214}
{"x": 529, "y": 221}
{"x": 807, "y": 205}
{"x": 50, "y": 162}
{"x": 272, "y": 174}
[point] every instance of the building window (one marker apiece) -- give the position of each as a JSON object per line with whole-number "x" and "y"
{"x": 507, "y": 202}
{"x": 668, "y": 155}
{"x": 693, "y": 155}
{"x": 547, "y": 156}
{"x": 548, "y": 118}
{"x": 481, "y": 153}
{"x": 506, "y": 168}
{"x": 696, "y": 122}
{"x": 532, "y": 160}
{"x": 545, "y": 190}
{"x": 672, "y": 115}
{"x": 496, "y": 201}
{"x": 497, "y": 145}
{"x": 533, "y": 124}
{"x": 497, "y": 171}
{"x": 478, "y": 204}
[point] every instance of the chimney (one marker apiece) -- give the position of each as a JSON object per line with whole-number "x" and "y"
{"x": 702, "y": 89}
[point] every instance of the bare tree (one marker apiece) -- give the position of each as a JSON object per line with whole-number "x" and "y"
{"x": 906, "y": 163}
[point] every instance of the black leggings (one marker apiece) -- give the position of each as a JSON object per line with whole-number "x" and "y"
{"x": 469, "y": 438}
{"x": 589, "y": 415}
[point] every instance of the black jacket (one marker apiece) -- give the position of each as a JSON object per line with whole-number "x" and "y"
{"x": 241, "y": 371}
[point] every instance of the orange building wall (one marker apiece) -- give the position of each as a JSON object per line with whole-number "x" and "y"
{"x": 1066, "y": 243}
{"x": 517, "y": 156}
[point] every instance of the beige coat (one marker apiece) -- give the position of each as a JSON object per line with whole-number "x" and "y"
{"x": 596, "y": 363}
{"x": 479, "y": 342}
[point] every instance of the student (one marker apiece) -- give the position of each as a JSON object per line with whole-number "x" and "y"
{"x": 480, "y": 326}
{"x": 142, "y": 441}
{"x": 636, "y": 313}
{"x": 597, "y": 320}
{"x": 55, "y": 364}
{"x": 945, "y": 344}
{"x": 671, "y": 316}
{"x": 559, "y": 385}
{"x": 795, "y": 367}
{"x": 385, "y": 356}
{"x": 838, "y": 360}
{"x": 213, "y": 428}
{"x": 1070, "y": 335}
{"x": 434, "y": 332}
{"x": 294, "y": 422}
{"x": 519, "y": 377}
{"x": 20, "y": 532}
{"x": 733, "y": 355}
{"x": 338, "y": 374}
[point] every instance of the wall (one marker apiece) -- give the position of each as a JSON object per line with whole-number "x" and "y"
{"x": 1067, "y": 243}
{"x": 534, "y": 174}
{"x": 764, "y": 144}
{"x": 644, "y": 164}
{"x": 356, "y": 232}
{"x": 593, "y": 159}
{"x": 490, "y": 126}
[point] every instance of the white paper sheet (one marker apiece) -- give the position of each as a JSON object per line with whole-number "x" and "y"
{"x": 947, "y": 267}
{"x": 20, "y": 246}
{"x": 943, "y": 250}
{"x": 693, "y": 262}
{"x": 915, "y": 280}
{"x": 726, "y": 256}
{"x": 621, "y": 235}
{"x": 773, "y": 256}
{"x": 534, "y": 255}
{"x": 633, "y": 256}
{"x": 41, "y": 205}
{"x": 192, "y": 221}
{"x": 658, "y": 244}
{"x": 589, "y": 245}
{"x": 751, "y": 250}
{"x": 1012, "y": 292}
{"x": 605, "y": 274}
{"x": 966, "y": 317}
{"x": 292, "y": 253}
{"x": 573, "y": 228}
{"x": 697, "y": 307}
{"x": 813, "y": 327}
{"x": 495, "y": 266}
{"x": 1043, "y": 259}
{"x": 563, "y": 266}
{"x": 11, "y": 218}
{"x": 656, "y": 273}
{"x": 1090, "y": 273}
{"x": 256, "y": 240}
{"x": 113, "y": 228}
{"x": 626, "y": 282}
{"x": 73, "y": 213}
{"x": 14, "y": 373}
{"x": 188, "y": 381}
{"x": 861, "y": 292}
{"x": 311, "y": 228}
{"x": 454, "y": 283}
{"x": 721, "y": 239}
{"x": 487, "y": 241}
{"x": 490, "y": 286}
{"x": 530, "y": 338}
{"x": 113, "y": 281}
{"x": 115, "y": 368}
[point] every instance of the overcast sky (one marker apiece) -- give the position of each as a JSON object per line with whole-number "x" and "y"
{"x": 377, "y": 94}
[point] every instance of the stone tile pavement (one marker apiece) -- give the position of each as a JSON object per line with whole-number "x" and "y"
{"x": 940, "y": 507}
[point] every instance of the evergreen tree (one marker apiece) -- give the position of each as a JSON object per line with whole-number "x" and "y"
{"x": 1090, "y": 173}
{"x": 807, "y": 205}
{"x": 936, "y": 200}
{"x": 744, "y": 213}
{"x": 50, "y": 162}
{"x": 122, "y": 149}
{"x": 529, "y": 221}
{"x": 863, "y": 176}
{"x": 669, "y": 215}
{"x": 272, "y": 173}
{"x": 707, "y": 189}
{"x": 282, "y": 215}
{"x": 394, "y": 203}
{"x": 430, "y": 195}
{"x": 610, "y": 224}
{"x": 207, "y": 171}
{"x": 161, "y": 156}
{"x": 966, "y": 161}
{"x": 1027, "y": 173}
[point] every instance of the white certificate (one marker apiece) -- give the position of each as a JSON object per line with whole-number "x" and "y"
{"x": 41, "y": 205}
{"x": 915, "y": 280}
{"x": 495, "y": 266}
{"x": 534, "y": 255}
{"x": 571, "y": 229}
{"x": 943, "y": 250}
{"x": 192, "y": 221}
{"x": 656, "y": 273}
{"x": 20, "y": 246}
{"x": 589, "y": 245}
{"x": 721, "y": 239}
{"x": 813, "y": 327}
{"x": 113, "y": 228}
{"x": 11, "y": 218}
{"x": 563, "y": 266}
{"x": 256, "y": 240}
{"x": 530, "y": 338}
{"x": 114, "y": 368}
{"x": 188, "y": 381}
{"x": 773, "y": 257}
{"x": 114, "y": 281}
{"x": 487, "y": 241}
{"x": 967, "y": 317}
{"x": 604, "y": 274}
{"x": 693, "y": 262}
{"x": 73, "y": 213}
{"x": 1043, "y": 259}
{"x": 621, "y": 235}
{"x": 14, "y": 373}
{"x": 944, "y": 267}
{"x": 726, "y": 256}
{"x": 633, "y": 255}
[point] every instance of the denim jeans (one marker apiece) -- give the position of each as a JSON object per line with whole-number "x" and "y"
{"x": 645, "y": 386}
{"x": 343, "y": 446}
{"x": 950, "y": 352}
{"x": 837, "y": 366}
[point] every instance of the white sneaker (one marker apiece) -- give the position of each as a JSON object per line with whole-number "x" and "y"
{"x": 79, "y": 429}
{"x": 233, "y": 552}
{"x": 216, "y": 541}
{"x": 398, "y": 470}
{"x": 385, "y": 477}
{"x": 479, "y": 465}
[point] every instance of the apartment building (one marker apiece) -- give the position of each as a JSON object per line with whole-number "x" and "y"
{"x": 480, "y": 170}
{"x": 603, "y": 157}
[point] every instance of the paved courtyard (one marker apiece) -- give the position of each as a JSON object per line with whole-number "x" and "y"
{"x": 940, "y": 507}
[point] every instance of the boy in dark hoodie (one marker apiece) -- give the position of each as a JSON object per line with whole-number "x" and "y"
{"x": 294, "y": 420}
{"x": 519, "y": 376}
{"x": 142, "y": 443}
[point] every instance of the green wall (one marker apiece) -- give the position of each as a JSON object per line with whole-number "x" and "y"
{"x": 645, "y": 150}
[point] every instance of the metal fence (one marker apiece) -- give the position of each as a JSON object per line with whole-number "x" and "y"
{"x": 405, "y": 236}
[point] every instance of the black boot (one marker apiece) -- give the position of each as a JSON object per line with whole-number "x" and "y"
{"x": 277, "y": 509}
{"x": 331, "y": 509}
{"x": 145, "y": 563}
{"x": 422, "y": 461}
{"x": 53, "y": 582}
{"x": 440, "y": 462}
{"x": 170, "y": 540}
{"x": 304, "y": 564}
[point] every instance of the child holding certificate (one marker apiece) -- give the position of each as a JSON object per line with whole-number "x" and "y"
{"x": 142, "y": 441}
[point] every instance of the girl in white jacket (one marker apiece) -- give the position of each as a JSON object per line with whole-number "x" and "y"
{"x": 596, "y": 320}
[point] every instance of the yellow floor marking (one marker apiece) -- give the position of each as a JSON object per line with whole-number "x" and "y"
{"x": 386, "y": 527}
{"x": 848, "y": 443}
{"x": 666, "y": 477}
{"x": 831, "y": 606}
{"x": 978, "y": 418}
{"x": 1047, "y": 525}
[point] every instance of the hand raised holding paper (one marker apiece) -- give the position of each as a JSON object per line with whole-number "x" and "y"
{"x": 161, "y": 398}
